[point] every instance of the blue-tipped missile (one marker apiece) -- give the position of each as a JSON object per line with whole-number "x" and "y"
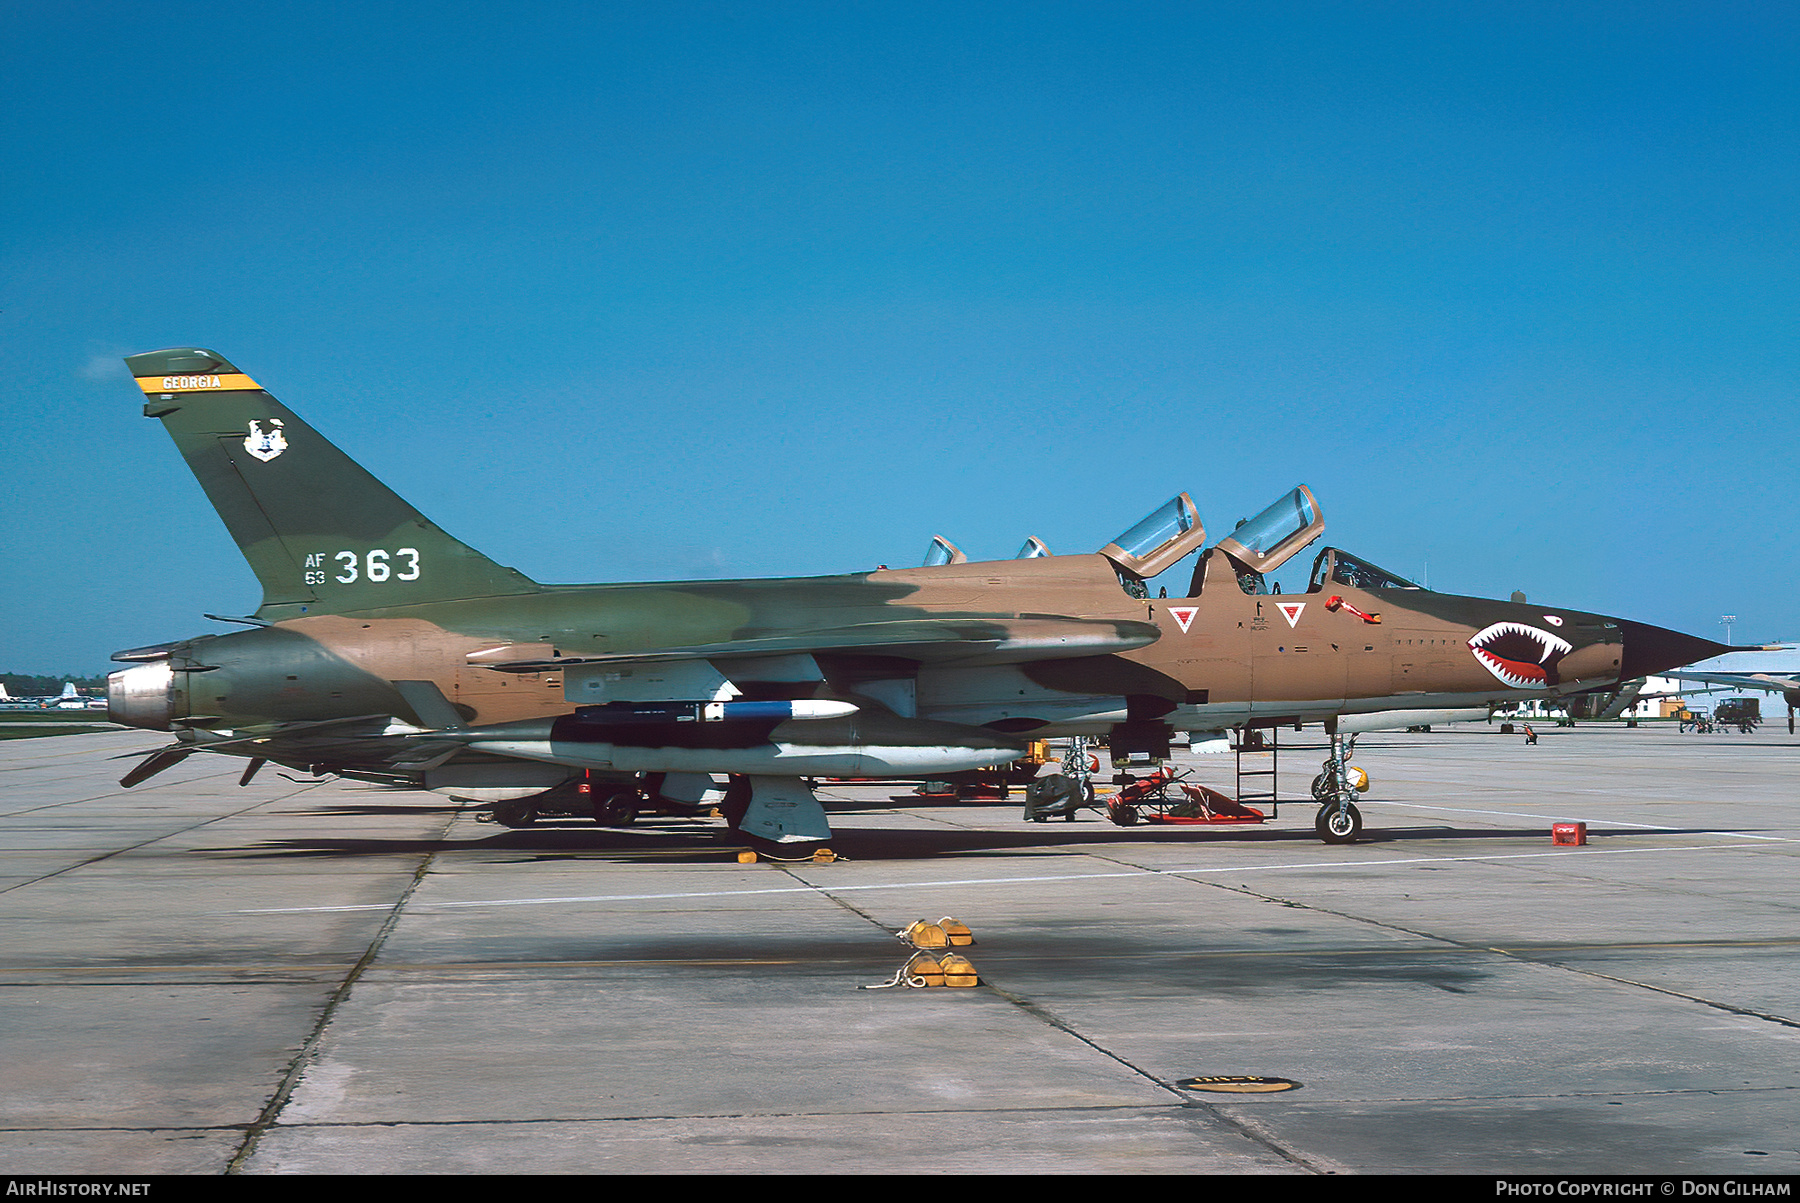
{"x": 640, "y": 714}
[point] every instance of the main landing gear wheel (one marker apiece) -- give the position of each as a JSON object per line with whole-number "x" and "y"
{"x": 517, "y": 813}
{"x": 617, "y": 809}
{"x": 1338, "y": 825}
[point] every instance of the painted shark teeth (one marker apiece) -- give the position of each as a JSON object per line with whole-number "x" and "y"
{"x": 1522, "y": 656}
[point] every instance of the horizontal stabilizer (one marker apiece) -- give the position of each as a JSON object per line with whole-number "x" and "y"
{"x": 156, "y": 762}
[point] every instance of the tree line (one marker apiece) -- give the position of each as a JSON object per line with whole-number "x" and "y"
{"x": 28, "y": 685}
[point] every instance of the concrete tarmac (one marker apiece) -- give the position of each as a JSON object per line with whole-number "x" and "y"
{"x": 301, "y": 977}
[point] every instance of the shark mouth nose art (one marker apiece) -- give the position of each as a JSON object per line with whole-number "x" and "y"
{"x": 1523, "y": 657}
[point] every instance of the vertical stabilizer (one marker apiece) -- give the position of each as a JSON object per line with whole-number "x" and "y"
{"x": 322, "y": 535}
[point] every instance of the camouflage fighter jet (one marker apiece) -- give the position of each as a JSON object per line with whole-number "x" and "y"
{"x": 386, "y": 650}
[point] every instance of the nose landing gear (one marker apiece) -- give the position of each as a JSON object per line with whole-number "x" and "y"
{"x": 1339, "y": 781}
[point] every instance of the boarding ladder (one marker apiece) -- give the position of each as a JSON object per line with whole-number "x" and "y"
{"x": 1258, "y": 752}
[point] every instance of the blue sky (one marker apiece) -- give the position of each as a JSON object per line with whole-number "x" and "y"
{"x": 667, "y": 290}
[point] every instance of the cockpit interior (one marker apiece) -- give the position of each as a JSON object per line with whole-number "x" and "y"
{"x": 1338, "y": 567}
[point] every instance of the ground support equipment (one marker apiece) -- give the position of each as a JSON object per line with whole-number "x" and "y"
{"x": 1148, "y": 800}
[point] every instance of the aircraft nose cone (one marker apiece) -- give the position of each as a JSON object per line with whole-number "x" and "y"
{"x": 1650, "y": 650}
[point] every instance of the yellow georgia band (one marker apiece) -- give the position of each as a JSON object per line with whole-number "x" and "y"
{"x": 196, "y": 383}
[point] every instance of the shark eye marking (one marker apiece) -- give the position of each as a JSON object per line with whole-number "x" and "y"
{"x": 1521, "y": 656}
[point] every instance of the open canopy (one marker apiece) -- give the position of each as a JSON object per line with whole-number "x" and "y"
{"x": 1273, "y": 537}
{"x": 1162, "y": 537}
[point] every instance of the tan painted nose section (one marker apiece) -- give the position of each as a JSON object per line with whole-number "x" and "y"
{"x": 1594, "y": 663}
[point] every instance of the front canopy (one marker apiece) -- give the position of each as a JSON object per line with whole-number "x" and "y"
{"x": 1163, "y": 536}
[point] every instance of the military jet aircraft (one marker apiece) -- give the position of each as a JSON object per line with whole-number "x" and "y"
{"x": 1771, "y": 669}
{"x": 71, "y": 699}
{"x": 386, "y": 650}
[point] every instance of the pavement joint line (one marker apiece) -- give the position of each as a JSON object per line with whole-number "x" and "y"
{"x": 1728, "y": 1008}
{"x": 1092, "y": 1108}
{"x": 303, "y": 1058}
{"x": 1518, "y": 957}
{"x": 1050, "y": 1019}
{"x": 857, "y": 911}
{"x": 986, "y": 881}
{"x": 687, "y": 1117}
{"x": 144, "y": 843}
{"x": 1245, "y": 1129}
{"x": 134, "y": 792}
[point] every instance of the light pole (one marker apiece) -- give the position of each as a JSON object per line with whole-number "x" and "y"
{"x": 1728, "y": 619}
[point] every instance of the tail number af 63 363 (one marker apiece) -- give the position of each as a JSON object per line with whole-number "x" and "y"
{"x": 376, "y": 566}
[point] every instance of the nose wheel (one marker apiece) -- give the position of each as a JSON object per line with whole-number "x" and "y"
{"x": 1338, "y": 822}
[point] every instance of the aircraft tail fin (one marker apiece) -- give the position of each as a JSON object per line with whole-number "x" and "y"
{"x": 322, "y": 535}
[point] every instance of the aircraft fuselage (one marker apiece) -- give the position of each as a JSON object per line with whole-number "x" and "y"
{"x": 1221, "y": 659}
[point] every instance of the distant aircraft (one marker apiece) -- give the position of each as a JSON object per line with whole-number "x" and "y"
{"x": 387, "y": 650}
{"x": 69, "y": 699}
{"x": 73, "y": 699}
{"x": 1772, "y": 669}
